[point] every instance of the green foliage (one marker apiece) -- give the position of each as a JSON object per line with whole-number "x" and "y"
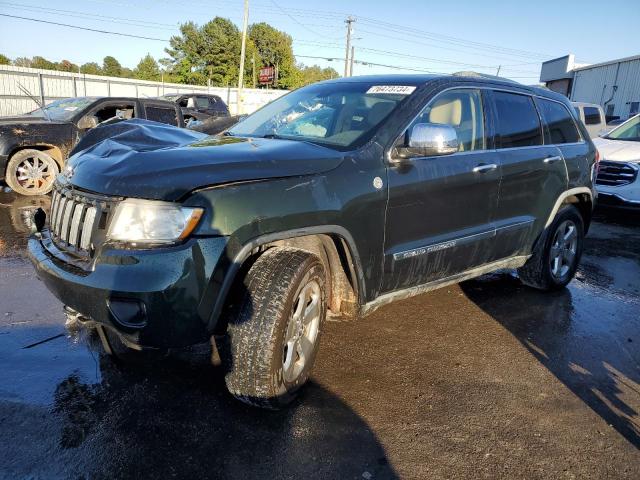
{"x": 41, "y": 62}
{"x": 111, "y": 67}
{"x": 274, "y": 48}
{"x": 66, "y": 66}
{"x": 207, "y": 53}
{"x": 314, "y": 74}
{"x": 147, "y": 69}
{"x": 91, "y": 68}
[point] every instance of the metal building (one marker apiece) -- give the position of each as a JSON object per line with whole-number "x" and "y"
{"x": 615, "y": 85}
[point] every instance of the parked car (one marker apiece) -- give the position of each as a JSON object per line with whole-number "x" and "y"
{"x": 618, "y": 184}
{"x": 337, "y": 198}
{"x": 198, "y": 106}
{"x": 592, "y": 116}
{"x": 35, "y": 146}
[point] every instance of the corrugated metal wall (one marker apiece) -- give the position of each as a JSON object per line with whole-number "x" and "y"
{"x": 51, "y": 85}
{"x": 595, "y": 85}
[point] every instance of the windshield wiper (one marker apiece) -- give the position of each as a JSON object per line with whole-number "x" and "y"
{"x": 272, "y": 135}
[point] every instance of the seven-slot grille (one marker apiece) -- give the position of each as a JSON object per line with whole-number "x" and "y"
{"x": 72, "y": 220}
{"x": 616, "y": 173}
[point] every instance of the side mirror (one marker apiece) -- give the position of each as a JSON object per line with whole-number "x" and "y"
{"x": 87, "y": 122}
{"x": 429, "y": 140}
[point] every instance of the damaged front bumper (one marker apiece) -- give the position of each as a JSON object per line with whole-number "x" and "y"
{"x": 156, "y": 298}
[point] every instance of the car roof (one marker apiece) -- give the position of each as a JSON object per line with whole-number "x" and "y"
{"x": 470, "y": 77}
{"x": 584, "y": 104}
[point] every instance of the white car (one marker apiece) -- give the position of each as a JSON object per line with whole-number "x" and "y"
{"x": 592, "y": 116}
{"x": 618, "y": 181}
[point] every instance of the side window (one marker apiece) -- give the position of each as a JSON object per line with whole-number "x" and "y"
{"x": 591, "y": 116}
{"x": 161, "y": 114}
{"x": 518, "y": 122}
{"x": 202, "y": 102}
{"x": 461, "y": 109}
{"x": 557, "y": 118}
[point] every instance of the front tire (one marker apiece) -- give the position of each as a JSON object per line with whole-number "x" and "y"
{"x": 274, "y": 329}
{"x": 31, "y": 172}
{"x": 556, "y": 257}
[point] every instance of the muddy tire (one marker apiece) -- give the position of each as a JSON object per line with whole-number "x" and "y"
{"x": 274, "y": 328}
{"x": 31, "y": 172}
{"x": 557, "y": 253}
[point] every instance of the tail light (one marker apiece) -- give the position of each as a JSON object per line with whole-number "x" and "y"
{"x": 597, "y": 164}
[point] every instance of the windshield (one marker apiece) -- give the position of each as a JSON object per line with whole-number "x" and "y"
{"x": 63, "y": 109}
{"x": 629, "y": 131}
{"x": 339, "y": 115}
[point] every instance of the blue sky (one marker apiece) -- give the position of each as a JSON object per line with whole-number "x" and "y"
{"x": 405, "y": 36}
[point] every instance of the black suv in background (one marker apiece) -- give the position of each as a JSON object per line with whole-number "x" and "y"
{"x": 35, "y": 146}
{"x": 337, "y": 198}
{"x": 198, "y": 106}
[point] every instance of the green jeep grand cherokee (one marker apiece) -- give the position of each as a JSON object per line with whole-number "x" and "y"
{"x": 335, "y": 199}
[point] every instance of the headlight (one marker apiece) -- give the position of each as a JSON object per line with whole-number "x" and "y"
{"x": 149, "y": 222}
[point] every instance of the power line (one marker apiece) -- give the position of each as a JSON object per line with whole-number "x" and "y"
{"x": 85, "y": 28}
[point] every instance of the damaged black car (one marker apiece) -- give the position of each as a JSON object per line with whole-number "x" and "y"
{"x": 335, "y": 199}
{"x": 34, "y": 147}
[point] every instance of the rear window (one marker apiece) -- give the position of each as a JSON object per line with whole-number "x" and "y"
{"x": 161, "y": 114}
{"x": 518, "y": 121}
{"x": 558, "y": 120}
{"x": 591, "y": 116}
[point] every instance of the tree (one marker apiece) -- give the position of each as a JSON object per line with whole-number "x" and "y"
{"x": 275, "y": 49}
{"x": 66, "y": 66}
{"x": 22, "y": 62}
{"x": 43, "y": 63}
{"x": 208, "y": 52}
{"x": 111, "y": 67}
{"x": 314, "y": 74}
{"x": 91, "y": 68}
{"x": 147, "y": 69}
{"x": 4, "y": 60}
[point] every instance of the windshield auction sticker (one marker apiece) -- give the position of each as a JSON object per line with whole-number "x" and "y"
{"x": 395, "y": 89}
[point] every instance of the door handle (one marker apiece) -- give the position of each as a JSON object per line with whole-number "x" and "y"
{"x": 552, "y": 159}
{"x": 484, "y": 167}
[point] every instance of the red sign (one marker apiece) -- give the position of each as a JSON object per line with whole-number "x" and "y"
{"x": 267, "y": 74}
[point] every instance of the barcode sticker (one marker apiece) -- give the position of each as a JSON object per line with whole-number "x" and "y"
{"x": 395, "y": 89}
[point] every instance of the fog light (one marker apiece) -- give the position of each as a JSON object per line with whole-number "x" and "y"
{"x": 127, "y": 312}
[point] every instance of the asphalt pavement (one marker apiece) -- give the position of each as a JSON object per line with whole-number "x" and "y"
{"x": 486, "y": 379}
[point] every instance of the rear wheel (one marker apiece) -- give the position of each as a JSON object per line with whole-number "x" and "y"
{"x": 556, "y": 257}
{"x": 31, "y": 172}
{"x": 274, "y": 330}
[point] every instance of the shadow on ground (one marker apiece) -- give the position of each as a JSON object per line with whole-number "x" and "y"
{"x": 168, "y": 417}
{"x": 593, "y": 355}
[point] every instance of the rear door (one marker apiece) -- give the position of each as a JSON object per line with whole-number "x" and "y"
{"x": 533, "y": 174}
{"x": 561, "y": 130}
{"x": 439, "y": 217}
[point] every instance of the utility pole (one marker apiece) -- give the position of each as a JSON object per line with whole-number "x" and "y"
{"x": 347, "y": 71}
{"x": 245, "y": 22}
{"x": 353, "y": 49}
{"x": 253, "y": 71}
{"x": 498, "y": 72}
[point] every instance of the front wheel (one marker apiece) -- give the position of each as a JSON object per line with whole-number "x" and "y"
{"x": 274, "y": 329}
{"x": 31, "y": 172}
{"x": 556, "y": 257}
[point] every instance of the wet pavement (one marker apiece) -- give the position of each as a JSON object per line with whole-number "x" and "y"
{"x": 487, "y": 379}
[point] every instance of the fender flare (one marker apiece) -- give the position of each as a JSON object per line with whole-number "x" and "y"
{"x": 563, "y": 196}
{"x": 245, "y": 253}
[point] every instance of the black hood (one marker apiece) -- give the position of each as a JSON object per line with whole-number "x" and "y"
{"x": 26, "y": 120}
{"x": 144, "y": 159}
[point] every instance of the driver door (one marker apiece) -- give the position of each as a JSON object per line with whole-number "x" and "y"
{"x": 440, "y": 211}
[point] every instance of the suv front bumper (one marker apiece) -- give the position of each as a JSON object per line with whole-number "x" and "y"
{"x": 157, "y": 298}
